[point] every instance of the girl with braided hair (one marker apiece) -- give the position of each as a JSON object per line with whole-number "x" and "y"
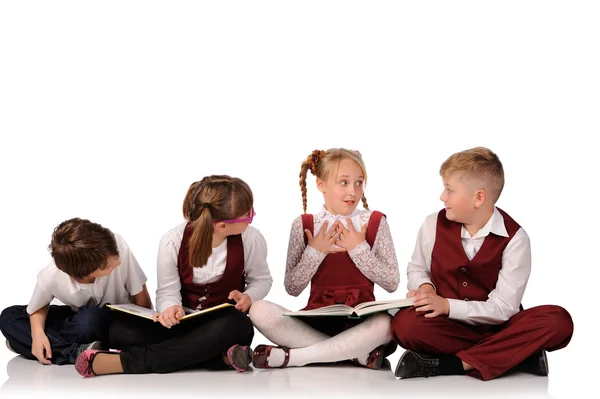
{"x": 212, "y": 258}
{"x": 342, "y": 252}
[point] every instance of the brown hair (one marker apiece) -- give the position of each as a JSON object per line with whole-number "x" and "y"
{"x": 321, "y": 164}
{"x": 80, "y": 247}
{"x": 477, "y": 163}
{"x": 214, "y": 198}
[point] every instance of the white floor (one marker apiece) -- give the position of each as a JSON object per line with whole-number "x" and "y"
{"x": 27, "y": 378}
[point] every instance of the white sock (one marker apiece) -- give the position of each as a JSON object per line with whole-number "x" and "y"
{"x": 312, "y": 346}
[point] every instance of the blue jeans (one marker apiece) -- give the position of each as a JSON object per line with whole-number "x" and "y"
{"x": 66, "y": 330}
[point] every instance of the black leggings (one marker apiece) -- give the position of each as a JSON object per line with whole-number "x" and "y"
{"x": 199, "y": 342}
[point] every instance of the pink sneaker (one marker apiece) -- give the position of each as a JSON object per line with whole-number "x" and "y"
{"x": 239, "y": 357}
{"x": 85, "y": 361}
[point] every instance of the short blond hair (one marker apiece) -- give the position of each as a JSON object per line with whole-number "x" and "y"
{"x": 477, "y": 163}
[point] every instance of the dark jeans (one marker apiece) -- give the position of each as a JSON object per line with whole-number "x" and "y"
{"x": 66, "y": 330}
{"x": 200, "y": 342}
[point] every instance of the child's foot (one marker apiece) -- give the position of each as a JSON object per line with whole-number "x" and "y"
{"x": 90, "y": 364}
{"x": 535, "y": 364}
{"x": 373, "y": 360}
{"x": 268, "y": 357}
{"x": 239, "y": 357}
{"x": 413, "y": 364}
{"x": 9, "y": 348}
{"x": 96, "y": 345}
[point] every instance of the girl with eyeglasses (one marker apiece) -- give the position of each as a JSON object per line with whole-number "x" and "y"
{"x": 212, "y": 258}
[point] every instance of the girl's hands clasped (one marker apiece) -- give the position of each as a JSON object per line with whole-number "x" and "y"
{"x": 325, "y": 241}
{"x": 350, "y": 238}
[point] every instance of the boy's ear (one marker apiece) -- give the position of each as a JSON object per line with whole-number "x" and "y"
{"x": 480, "y": 196}
{"x": 320, "y": 185}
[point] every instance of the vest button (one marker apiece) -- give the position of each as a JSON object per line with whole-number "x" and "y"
{"x": 464, "y": 284}
{"x": 467, "y": 299}
{"x": 463, "y": 269}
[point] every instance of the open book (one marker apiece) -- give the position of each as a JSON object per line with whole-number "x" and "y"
{"x": 362, "y": 310}
{"x": 149, "y": 313}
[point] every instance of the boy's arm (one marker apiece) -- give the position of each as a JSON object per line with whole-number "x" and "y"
{"x": 302, "y": 261}
{"x": 256, "y": 268}
{"x": 419, "y": 268}
{"x": 379, "y": 265}
{"x": 133, "y": 275}
{"x": 504, "y": 300}
{"x": 40, "y": 345}
{"x": 143, "y": 298}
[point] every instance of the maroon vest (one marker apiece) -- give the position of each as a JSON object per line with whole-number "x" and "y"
{"x": 337, "y": 279}
{"x": 457, "y": 277}
{"x": 215, "y": 293}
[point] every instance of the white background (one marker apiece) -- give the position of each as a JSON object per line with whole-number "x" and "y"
{"x": 110, "y": 110}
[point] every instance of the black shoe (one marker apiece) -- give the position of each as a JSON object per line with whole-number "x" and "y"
{"x": 412, "y": 364}
{"x": 535, "y": 364}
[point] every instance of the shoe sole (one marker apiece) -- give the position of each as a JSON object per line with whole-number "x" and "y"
{"x": 239, "y": 357}
{"x": 397, "y": 370}
{"x": 544, "y": 363}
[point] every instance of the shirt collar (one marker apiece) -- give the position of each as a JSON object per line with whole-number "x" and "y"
{"x": 494, "y": 225}
{"x": 326, "y": 213}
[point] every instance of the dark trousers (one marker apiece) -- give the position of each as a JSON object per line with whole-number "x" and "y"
{"x": 491, "y": 350}
{"x": 199, "y": 342}
{"x": 65, "y": 329}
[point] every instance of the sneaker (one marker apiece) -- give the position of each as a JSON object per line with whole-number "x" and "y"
{"x": 85, "y": 361}
{"x": 96, "y": 345}
{"x": 9, "y": 348}
{"x": 239, "y": 357}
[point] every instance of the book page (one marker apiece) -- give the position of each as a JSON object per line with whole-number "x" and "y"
{"x": 400, "y": 303}
{"x": 333, "y": 310}
{"x": 134, "y": 310}
{"x": 383, "y": 306}
{"x": 203, "y": 311}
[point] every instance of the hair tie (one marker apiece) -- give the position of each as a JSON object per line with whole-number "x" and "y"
{"x": 313, "y": 160}
{"x": 207, "y": 206}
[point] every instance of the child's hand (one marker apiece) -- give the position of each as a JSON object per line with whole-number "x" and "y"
{"x": 349, "y": 237}
{"x": 325, "y": 242}
{"x": 432, "y": 303}
{"x": 171, "y": 315}
{"x": 423, "y": 289}
{"x": 242, "y": 301}
{"x": 40, "y": 347}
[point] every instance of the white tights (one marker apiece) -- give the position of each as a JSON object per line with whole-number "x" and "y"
{"x": 308, "y": 345}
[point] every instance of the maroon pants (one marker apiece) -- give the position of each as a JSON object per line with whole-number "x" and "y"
{"x": 491, "y": 350}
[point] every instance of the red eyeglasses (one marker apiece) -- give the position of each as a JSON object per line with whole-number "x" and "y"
{"x": 240, "y": 220}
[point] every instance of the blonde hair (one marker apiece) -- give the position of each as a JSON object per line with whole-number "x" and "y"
{"x": 322, "y": 163}
{"x": 214, "y": 198}
{"x": 477, "y": 163}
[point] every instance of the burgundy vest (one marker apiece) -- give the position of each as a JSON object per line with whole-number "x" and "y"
{"x": 457, "y": 277}
{"x": 214, "y": 293}
{"x": 338, "y": 280}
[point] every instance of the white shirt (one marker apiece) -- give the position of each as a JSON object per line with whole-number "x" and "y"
{"x": 257, "y": 274}
{"x": 119, "y": 286}
{"x": 504, "y": 300}
{"x": 378, "y": 264}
